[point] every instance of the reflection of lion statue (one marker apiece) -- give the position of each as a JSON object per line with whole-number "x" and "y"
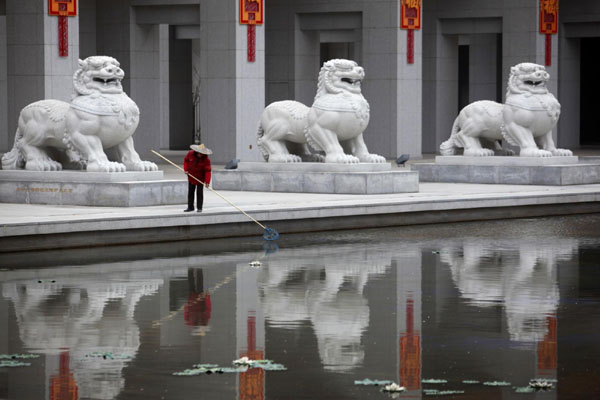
{"x": 101, "y": 116}
{"x": 526, "y": 120}
{"x": 334, "y": 124}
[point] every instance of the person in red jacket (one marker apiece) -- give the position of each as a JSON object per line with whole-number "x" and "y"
{"x": 197, "y": 164}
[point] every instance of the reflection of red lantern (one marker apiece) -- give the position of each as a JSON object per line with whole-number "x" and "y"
{"x": 63, "y": 385}
{"x": 63, "y": 9}
{"x": 252, "y": 382}
{"x": 410, "y": 352}
{"x": 548, "y": 349}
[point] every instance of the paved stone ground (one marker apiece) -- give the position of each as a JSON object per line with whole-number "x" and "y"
{"x": 23, "y": 220}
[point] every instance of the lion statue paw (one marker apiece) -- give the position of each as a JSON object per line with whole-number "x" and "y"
{"x": 475, "y": 152}
{"x": 286, "y": 158}
{"x": 141, "y": 166}
{"x": 108, "y": 166}
{"x": 535, "y": 152}
{"x": 562, "y": 152}
{"x": 372, "y": 158}
{"x": 43, "y": 164}
{"x": 335, "y": 121}
{"x": 341, "y": 158}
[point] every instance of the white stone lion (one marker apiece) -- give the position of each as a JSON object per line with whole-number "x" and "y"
{"x": 333, "y": 125}
{"x": 526, "y": 119}
{"x": 100, "y": 117}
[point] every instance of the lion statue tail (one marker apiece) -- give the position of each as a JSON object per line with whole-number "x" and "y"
{"x": 448, "y": 148}
{"x": 14, "y": 159}
{"x": 259, "y": 134}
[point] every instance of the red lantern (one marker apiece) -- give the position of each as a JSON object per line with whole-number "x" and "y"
{"x": 63, "y": 9}
{"x": 548, "y": 24}
{"x": 410, "y": 19}
{"x": 251, "y": 14}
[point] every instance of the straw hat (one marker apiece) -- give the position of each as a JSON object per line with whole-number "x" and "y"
{"x": 201, "y": 148}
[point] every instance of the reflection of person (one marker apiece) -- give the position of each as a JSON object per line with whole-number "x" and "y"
{"x": 197, "y": 164}
{"x": 198, "y": 306}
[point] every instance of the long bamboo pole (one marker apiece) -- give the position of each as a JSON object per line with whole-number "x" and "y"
{"x": 208, "y": 187}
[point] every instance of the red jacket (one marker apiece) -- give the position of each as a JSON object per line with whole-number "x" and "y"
{"x": 198, "y": 167}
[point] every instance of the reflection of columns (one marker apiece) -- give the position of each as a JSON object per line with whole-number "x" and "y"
{"x": 63, "y": 385}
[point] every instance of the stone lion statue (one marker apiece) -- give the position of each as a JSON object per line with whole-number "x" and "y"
{"x": 100, "y": 117}
{"x": 526, "y": 119}
{"x": 334, "y": 124}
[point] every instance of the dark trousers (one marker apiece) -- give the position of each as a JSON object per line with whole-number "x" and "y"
{"x": 199, "y": 197}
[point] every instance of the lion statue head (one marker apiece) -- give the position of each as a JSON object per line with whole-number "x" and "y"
{"x": 338, "y": 76}
{"x": 101, "y": 74}
{"x": 527, "y": 78}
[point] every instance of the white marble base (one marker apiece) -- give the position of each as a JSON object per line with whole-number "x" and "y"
{"x": 556, "y": 175}
{"x": 356, "y": 182}
{"x": 78, "y": 176}
{"x": 506, "y": 160}
{"x": 119, "y": 189}
{"x": 312, "y": 167}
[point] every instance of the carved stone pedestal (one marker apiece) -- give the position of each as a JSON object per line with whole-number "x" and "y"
{"x": 119, "y": 189}
{"x": 512, "y": 170}
{"x": 364, "y": 178}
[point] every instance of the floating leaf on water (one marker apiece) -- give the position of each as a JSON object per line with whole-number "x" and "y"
{"x": 255, "y": 264}
{"x": 393, "y": 388}
{"x": 242, "y": 361}
{"x": 12, "y": 363}
{"x": 434, "y": 392}
{"x": 525, "y": 389}
{"x": 271, "y": 367}
{"x": 199, "y": 369}
{"x": 371, "y": 382}
{"x": 15, "y": 356}
{"x": 190, "y": 372}
{"x": 107, "y": 355}
{"x": 470, "y": 382}
{"x": 237, "y": 369}
{"x": 434, "y": 381}
{"x": 497, "y": 383}
{"x": 205, "y": 365}
{"x": 541, "y": 384}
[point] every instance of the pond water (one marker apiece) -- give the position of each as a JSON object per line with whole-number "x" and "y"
{"x": 471, "y": 311}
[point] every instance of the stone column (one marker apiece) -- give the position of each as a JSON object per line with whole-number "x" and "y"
{"x": 35, "y": 71}
{"x": 409, "y": 94}
{"x": 522, "y": 41}
{"x": 5, "y": 145}
{"x": 232, "y": 89}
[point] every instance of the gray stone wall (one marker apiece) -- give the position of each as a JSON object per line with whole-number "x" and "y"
{"x": 4, "y": 140}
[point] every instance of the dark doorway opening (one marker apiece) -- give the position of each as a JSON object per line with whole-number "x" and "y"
{"x": 589, "y": 133}
{"x": 499, "y": 68}
{"x": 329, "y": 51}
{"x": 463, "y": 76}
{"x": 181, "y": 108}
